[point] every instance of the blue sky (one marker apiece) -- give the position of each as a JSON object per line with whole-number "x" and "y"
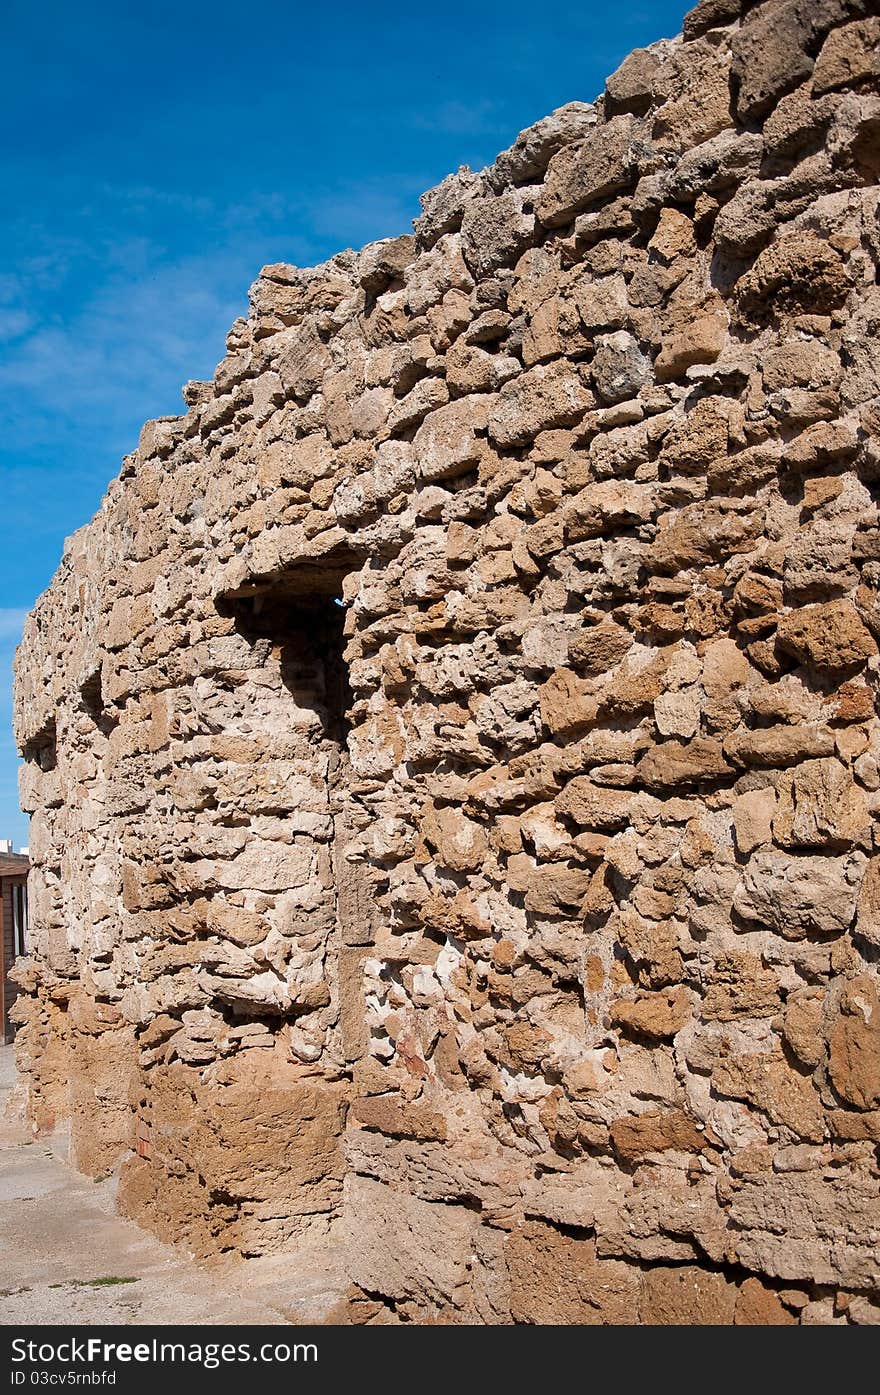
{"x": 154, "y": 157}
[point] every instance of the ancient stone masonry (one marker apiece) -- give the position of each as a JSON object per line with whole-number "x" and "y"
{"x": 453, "y": 746}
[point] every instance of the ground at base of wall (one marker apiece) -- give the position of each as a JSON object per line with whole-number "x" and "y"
{"x": 69, "y": 1258}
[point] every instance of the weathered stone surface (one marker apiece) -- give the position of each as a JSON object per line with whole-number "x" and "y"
{"x": 674, "y": 763}
{"x": 429, "y": 1267}
{"x": 703, "y": 533}
{"x": 768, "y": 1082}
{"x": 692, "y": 91}
{"x": 854, "y": 1045}
{"x": 849, "y": 55}
{"x": 752, "y": 819}
{"x": 459, "y": 842}
{"x": 798, "y": 895}
{"x": 620, "y": 368}
{"x": 710, "y": 14}
{"x": 567, "y": 703}
{"x": 443, "y": 207}
{"x": 548, "y": 396}
{"x": 771, "y": 52}
{"x": 630, "y": 87}
{"x": 776, "y": 746}
{"x": 635, "y": 1138}
{"x": 493, "y": 233}
{"x": 453, "y": 749}
{"x": 655, "y": 1015}
{"x": 868, "y": 920}
{"x": 599, "y": 648}
{"x": 531, "y": 152}
{"x": 740, "y": 987}
{"x": 223, "y": 1155}
{"x": 446, "y": 443}
{"x": 798, "y": 273}
{"x": 798, "y": 1227}
{"x": 830, "y": 638}
{"x": 687, "y": 1295}
{"x": 820, "y": 806}
{"x": 556, "y": 1278}
{"x": 592, "y": 169}
{"x": 591, "y": 805}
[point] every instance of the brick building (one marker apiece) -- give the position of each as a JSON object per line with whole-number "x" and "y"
{"x": 13, "y": 929}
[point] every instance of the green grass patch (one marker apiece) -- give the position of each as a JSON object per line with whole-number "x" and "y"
{"x": 106, "y": 1282}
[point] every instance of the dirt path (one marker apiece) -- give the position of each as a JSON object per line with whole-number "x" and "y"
{"x": 66, "y": 1257}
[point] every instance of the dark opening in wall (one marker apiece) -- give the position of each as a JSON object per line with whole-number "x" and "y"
{"x": 302, "y": 612}
{"x": 42, "y": 748}
{"x": 313, "y": 638}
{"x": 309, "y": 633}
{"x": 303, "y": 615}
{"x": 92, "y": 696}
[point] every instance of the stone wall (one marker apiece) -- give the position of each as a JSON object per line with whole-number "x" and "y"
{"x": 453, "y": 746}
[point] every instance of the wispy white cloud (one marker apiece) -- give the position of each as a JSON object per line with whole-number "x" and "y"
{"x": 353, "y": 213}
{"x": 10, "y": 286}
{"x": 149, "y": 320}
{"x": 141, "y": 196}
{"x": 11, "y": 621}
{"x": 459, "y": 118}
{"x": 14, "y": 322}
{"x": 115, "y": 359}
